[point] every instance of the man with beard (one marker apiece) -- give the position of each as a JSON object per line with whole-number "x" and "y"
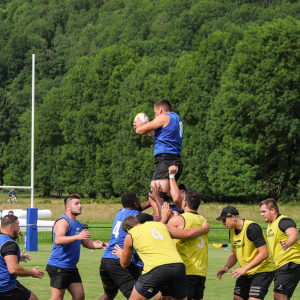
{"x": 68, "y": 237}
{"x": 10, "y": 256}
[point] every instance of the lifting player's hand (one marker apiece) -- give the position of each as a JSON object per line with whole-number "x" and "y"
{"x": 118, "y": 251}
{"x": 37, "y": 273}
{"x": 166, "y": 211}
{"x": 156, "y": 191}
{"x": 83, "y": 235}
{"x": 100, "y": 245}
{"x": 24, "y": 257}
{"x": 222, "y": 271}
{"x": 173, "y": 170}
{"x": 206, "y": 226}
{"x": 137, "y": 123}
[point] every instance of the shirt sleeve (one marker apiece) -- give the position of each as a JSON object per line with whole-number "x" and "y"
{"x": 143, "y": 217}
{"x": 9, "y": 248}
{"x": 286, "y": 223}
{"x": 255, "y": 235}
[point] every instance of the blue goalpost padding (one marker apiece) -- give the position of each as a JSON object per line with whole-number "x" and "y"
{"x": 32, "y": 232}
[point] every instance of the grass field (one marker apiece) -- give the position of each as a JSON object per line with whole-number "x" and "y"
{"x": 89, "y": 270}
{"x": 100, "y": 217}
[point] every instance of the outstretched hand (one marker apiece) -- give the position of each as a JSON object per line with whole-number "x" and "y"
{"x": 166, "y": 211}
{"x": 83, "y": 235}
{"x": 156, "y": 191}
{"x": 173, "y": 170}
{"x": 222, "y": 271}
{"x": 37, "y": 273}
{"x": 24, "y": 257}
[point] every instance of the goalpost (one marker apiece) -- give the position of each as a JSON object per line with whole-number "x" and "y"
{"x": 32, "y": 213}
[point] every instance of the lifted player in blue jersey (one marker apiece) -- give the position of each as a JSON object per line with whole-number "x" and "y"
{"x": 68, "y": 238}
{"x": 113, "y": 276}
{"x": 167, "y": 132}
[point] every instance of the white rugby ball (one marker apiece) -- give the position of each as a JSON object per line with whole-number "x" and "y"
{"x": 142, "y": 116}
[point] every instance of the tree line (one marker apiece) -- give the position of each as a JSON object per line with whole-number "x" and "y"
{"x": 230, "y": 69}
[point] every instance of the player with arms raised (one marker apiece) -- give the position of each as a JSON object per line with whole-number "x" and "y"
{"x": 167, "y": 132}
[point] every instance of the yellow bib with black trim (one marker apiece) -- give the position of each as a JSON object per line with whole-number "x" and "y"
{"x": 194, "y": 252}
{"x": 245, "y": 251}
{"x": 274, "y": 235}
{"x": 154, "y": 245}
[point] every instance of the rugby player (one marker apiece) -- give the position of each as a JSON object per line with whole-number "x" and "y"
{"x": 20, "y": 233}
{"x": 167, "y": 132}
{"x": 10, "y": 257}
{"x": 68, "y": 238}
{"x": 250, "y": 249}
{"x": 163, "y": 265}
{"x": 194, "y": 252}
{"x": 113, "y": 276}
{"x": 284, "y": 244}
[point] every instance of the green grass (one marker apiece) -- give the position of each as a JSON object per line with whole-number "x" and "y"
{"x": 89, "y": 270}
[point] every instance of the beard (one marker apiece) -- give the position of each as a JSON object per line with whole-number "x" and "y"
{"x": 75, "y": 213}
{"x": 15, "y": 234}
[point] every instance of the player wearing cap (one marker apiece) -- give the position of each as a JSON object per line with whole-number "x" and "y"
{"x": 250, "y": 249}
{"x": 167, "y": 132}
{"x": 163, "y": 265}
{"x": 194, "y": 252}
{"x": 284, "y": 244}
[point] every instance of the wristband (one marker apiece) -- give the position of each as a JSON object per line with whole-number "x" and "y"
{"x": 172, "y": 176}
{"x": 227, "y": 266}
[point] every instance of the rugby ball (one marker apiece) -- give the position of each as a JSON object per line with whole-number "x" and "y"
{"x": 142, "y": 116}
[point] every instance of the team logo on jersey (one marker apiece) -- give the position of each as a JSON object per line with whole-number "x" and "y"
{"x": 270, "y": 234}
{"x": 237, "y": 245}
{"x": 77, "y": 230}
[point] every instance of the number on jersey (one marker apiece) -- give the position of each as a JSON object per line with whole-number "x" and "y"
{"x": 156, "y": 234}
{"x": 201, "y": 244}
{"x": 117, "y": 229}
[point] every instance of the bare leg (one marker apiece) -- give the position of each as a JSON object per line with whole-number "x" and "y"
{"x": 157, "y": 296}
{"x": 33, "y": 297}
{"x": 76, "y": 290}
{"x": 108, "y": 296}
{"x": 57, "y": 294}
{"x": 278, "y": 296}
{"x": 237, "y": 298}
{"x": 181, "y": 299}
{"x": 164, "y": 183}
{"x": 136, "y": 296}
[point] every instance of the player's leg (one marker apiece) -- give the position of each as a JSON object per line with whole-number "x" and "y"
{"x": 286, "y": 280}
{"x": 76, "y": 290}
{"x": 33, "y": 297}
{"x": 177, "y": 284}
{"x": 260, "y": 285}
{"x": 242, "y": 287}
{"x": 196, "y": 286}
{"x": 110, "y": 292}
{"x": 57, "y": 294}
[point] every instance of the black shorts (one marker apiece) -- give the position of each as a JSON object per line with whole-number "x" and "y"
{"x": 171, "y": 275}
{"x": 19, "y": 292}
{"x": 61, "y": 278}
{"x": 196, "y": 286}
{"x": 256, "y": 286}
{"x": 286, "y": 279}
{"x": 162, "y": 164}
{"x": 112, "y": 273}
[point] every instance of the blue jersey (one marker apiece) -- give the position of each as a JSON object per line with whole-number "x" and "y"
{"x": 174, "y": 207}
{"x": 7, "y": 280}
{"x": 66, "y": 256}
{"x": 118, "y": 235}
{"x": 11, "y": 192}
{"x": 169, "y": 139}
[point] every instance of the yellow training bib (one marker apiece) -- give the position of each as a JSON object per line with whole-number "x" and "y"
{"x": 154, "y": 245}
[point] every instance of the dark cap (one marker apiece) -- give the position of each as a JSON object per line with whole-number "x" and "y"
{"x": 182, "y": 187}
{"x": 228, "y": 211}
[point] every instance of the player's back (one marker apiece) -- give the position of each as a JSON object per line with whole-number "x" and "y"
{"x": 118, "y": 235}
{"x": 194, "y": 252}
{"x": 153, "y": 243}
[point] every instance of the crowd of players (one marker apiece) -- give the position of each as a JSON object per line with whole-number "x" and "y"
{"x": 163, "y": 255}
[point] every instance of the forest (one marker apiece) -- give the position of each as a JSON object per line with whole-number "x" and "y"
{"x": 231, "y": 69}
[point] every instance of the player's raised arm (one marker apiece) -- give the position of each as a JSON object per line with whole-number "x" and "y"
{"x": 160, "y": 121}
{"x": 189, "y": 233}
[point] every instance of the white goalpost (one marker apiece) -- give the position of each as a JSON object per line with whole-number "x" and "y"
{"x": 31, "y": 187}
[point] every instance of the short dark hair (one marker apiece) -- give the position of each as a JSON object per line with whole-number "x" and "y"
{"x": 10, "y": 212}
{"x": 129, "y": 222}
{"x": 193, "y": 199}
{"x": 70, "y": 197}
{"x": 270, "y": 203}
{"x": 8, "y": 220}
{"x": 129, "y": 199}
{"x": 164, "y": 103}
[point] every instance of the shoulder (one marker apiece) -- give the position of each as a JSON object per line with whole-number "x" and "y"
{"x": 177, "y": 221}
{"x": 286, "y": 223}
{"x": 143, "y": 217}
{"x": 9, "y": 248}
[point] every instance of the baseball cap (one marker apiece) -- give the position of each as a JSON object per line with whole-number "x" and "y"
{"x": 228, "y": 211}
{"x": 182, "y": 187}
